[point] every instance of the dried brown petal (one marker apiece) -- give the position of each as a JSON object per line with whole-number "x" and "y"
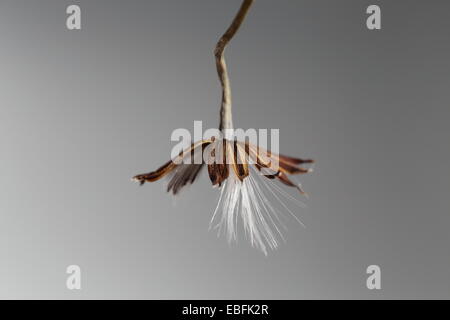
{"x": 155, "y": 175}
{"x": 184, "y": 174}
{"x": 289, "y": 168}
{"x": 285, "y": 180}
{"x": 292, "y": 160}
{"x": 171, "y": 165}
{"x": 239, "y": 160}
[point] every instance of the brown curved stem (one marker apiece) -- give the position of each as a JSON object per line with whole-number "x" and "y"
{"x": 226, "y": 119}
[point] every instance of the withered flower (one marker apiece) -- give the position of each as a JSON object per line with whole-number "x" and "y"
{"x": 234, "y": 167}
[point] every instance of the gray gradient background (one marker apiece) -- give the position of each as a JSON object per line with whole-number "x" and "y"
{"x": 83, "y": 111}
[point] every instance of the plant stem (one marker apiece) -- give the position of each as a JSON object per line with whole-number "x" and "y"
{"x": 226, "y": 118}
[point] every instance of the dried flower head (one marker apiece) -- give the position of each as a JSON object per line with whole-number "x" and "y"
{"x": 234, "y": 166}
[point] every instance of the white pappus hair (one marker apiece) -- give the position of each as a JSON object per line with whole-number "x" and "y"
{"x": 246, "y": 201}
